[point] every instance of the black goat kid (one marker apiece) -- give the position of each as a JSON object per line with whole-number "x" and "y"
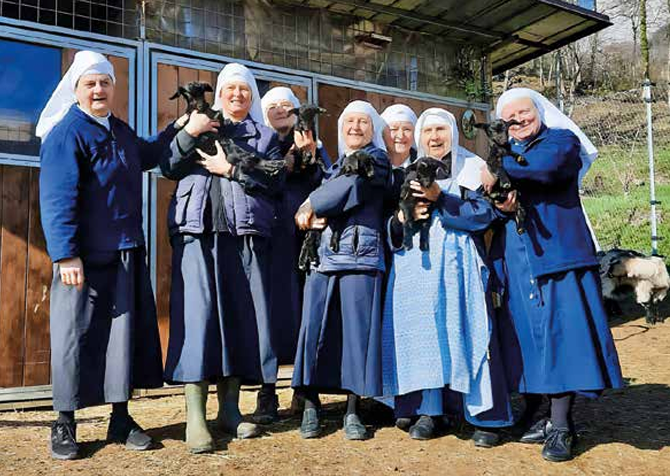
{"x": 497, "y": 133}
{"x": 306, "y": 121}
{"x": 194, "y": 94}
{"x": 424, "y": 171}
{"x": 358, "y": 163}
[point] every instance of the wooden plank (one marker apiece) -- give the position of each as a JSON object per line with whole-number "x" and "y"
{"x": 300, "y": 92}
{"x": 168, "y": 81}
{"x": 164, "y": 190}
{"x": 67, "y": 58}
{"x": 121, "y": 89}
{"x": 375, "y": 100}
{"x": 37, "y": 346}
{"x": 334, "y": 99}
{"x": 208, "y": 77}
{"x": 15, "y": 192}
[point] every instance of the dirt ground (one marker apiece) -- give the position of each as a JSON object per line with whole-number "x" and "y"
{"x": 625, "y": 432}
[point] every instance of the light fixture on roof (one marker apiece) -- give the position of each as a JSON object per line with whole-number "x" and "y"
{"x": 373, "y": 40}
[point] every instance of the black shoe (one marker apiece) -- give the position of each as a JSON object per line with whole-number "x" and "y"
{"x": 403, "y": 423}
{"x": 310, "y": 427}
{"x": 354, "y": 429}
{"x": 485, "y": 439}
{"x": 64, "y": 441}
{"x": 538, "y": 432}
{"x": 267, "y": 408}
{"x": 558, "y": 445}
{"x": 125, "y": 430}
{"x": 423, "y": 429}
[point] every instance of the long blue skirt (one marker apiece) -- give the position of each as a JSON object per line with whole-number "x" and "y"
{"x": 219, "y": 314}
{"x": 287, "y": 280}
{"x": 104, "y": 338}
{"x": 339, "y": 348}
{"x": 561, "y": 326}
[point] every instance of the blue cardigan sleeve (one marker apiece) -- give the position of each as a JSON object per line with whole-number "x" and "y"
{"x": 473, "y": 214}
{"x": 553, "y": 159}
{"x": 346, "y": 192}
{"x": 154, "y": 148}
{"x": 59, "y": 193}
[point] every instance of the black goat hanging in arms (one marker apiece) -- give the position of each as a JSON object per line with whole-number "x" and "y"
{"x": 194, "y": 94}
{"x": 424, "y": 171}
{"x": 357, "y": 163}
{"x": 497, "y": 133}
{"x": 306, "y": 121}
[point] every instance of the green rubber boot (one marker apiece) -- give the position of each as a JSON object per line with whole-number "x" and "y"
{"x": 230, "y": 418}
{"x": 198, "y": 438}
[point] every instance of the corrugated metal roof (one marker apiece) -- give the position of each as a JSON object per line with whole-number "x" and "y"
{"x": 512, "y": 31}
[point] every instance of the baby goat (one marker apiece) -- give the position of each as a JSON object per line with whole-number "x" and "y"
{"x": 625, "y": 271}
{"x": 358, "y": 163}
{"x": 194, "y": 94}
{"x": 497, "y": 133}
{"x": 306, "y": 121}
{"x": 424, "y": 171}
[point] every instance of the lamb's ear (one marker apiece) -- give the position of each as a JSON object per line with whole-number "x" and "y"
{"x": 295, "y": 111}
{"x": 207, "y": 88}
{"x": 481, "y": 125}
{"x": 322, "y": 110}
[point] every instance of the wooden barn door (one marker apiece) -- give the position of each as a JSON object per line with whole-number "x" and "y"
{"x": 163, "y": 110}
{"x": 335, "y": 99}
{"x": 25, "y": 268}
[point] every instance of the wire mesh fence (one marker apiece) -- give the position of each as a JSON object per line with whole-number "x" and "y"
{"x": 616, "y": 191}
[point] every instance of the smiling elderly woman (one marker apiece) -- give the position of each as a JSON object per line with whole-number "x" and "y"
{"x": 441, "y": 347}
{"x": 551, "y": 271}
{"x": 104, "y": 334}
{"x": 220, "y": 222}
{"x": 339, "y": 344}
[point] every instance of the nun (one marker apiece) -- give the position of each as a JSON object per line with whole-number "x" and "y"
{"x": 104, "y": 332}
{"x": 401, "y": 121}
{"x": 339, "y": 346}
{"x": 287, "y": 280}
{"x": 440, "y": 352}
{"x": 551, "y": 271}
{"x": 220, "y": 221}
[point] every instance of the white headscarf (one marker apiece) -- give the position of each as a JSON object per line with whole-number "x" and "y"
{"x": 378, "y": 124}
{"x": 553, "y": 118}
{"x": 276, "y": 95}
{"x": 399, "y": 113}
{"x": 85, "y": 62}
{"x": 233, "y": 72}
{"x": 465, "y": 165}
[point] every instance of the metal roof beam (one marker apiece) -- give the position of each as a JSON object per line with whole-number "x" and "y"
{"x": 423, "y": 18}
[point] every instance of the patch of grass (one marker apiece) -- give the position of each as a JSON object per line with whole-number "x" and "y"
{"x": 616, "y": 198}
{"x": 624, "y": 220}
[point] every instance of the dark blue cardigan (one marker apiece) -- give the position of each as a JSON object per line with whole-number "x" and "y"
{"x": 91, "y": 184}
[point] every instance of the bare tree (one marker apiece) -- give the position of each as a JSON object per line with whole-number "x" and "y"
{"x": 644, "y": 42}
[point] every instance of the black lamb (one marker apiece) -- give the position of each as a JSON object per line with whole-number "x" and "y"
{"x": 306, "y": 121}
{"x": 497, "y": 133}
{"x": 424, "y": 171}
{"x": 358, "y": 163}
{"x": 194, "y": 94}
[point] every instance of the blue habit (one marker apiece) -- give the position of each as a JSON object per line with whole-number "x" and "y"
{"x": 440, "y": 338}
{"x": 553, "y": 290}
